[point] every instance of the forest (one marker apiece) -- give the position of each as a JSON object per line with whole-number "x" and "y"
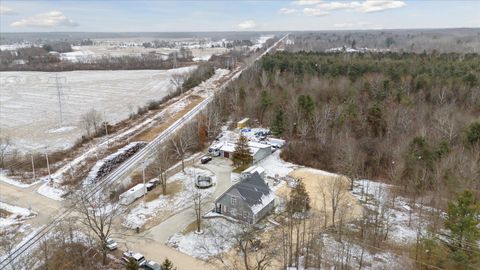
{"x": 409, "y": 119}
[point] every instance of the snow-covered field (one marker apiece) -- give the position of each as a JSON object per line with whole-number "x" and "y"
{"x": 30, "y": 106}
{"x": 141, "y": 214}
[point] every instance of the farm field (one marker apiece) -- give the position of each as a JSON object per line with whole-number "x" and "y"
{"x": 30, "y": 109}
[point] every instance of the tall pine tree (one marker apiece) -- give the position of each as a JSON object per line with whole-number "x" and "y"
{"x": 299, "y": 201}
{"x": 463, "y": 219}
{"x": 277, "y": 126}
{"x": 168, "y": 265}
{"x": 242, "y": 157}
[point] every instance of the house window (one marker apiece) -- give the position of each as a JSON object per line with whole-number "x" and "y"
{"x": 233, "y": 200}
{"x": 245, "y": 214}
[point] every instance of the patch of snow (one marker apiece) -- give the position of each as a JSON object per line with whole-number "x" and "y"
{"x": 217, "y": 238}
{"x": 336, "y": 252}
{"x": 277, "y": 167}
{"x": 376, "y": 197}
{"x": 16, "y": 215}
{"x": 60, "y": 129}
{"x": 52, "y": 191}
{"x": 202, "y": 58}
{"x": 13, "y": 182}
{"x": 142, "y": 213}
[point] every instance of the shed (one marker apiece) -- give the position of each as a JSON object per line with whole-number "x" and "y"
{"x": 242, "y": 123}
{"x": 253, "y": 169}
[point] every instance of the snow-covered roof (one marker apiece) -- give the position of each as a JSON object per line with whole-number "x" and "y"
{"x": 264, "y": 201}
{"x": 254, "y": 147}
{"x": 135, "y": 188}
{"x": 253, "y": 191}
{"x": 253, "y": 169}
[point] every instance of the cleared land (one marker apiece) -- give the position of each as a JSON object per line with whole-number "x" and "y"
{"x": 30, "y": 108}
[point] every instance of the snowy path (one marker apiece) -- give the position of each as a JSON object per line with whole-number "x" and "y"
{"x": 28, "y": 198}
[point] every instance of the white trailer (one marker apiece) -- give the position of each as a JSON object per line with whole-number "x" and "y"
{"x": 132, "y": 194}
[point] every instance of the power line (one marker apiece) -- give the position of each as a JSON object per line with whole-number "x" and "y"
{"x": 60, "y": 94}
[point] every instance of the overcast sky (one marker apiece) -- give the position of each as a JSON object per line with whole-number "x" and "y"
{"x": 171, "y": 16}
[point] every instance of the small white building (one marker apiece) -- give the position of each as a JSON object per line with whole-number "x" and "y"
{"x": 254, "y": 169}
{"x": 258, "y": 151}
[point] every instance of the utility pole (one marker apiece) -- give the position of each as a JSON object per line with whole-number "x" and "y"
{"x": 60, "y": 95}
{"x": 106, "y": 126}
{"x": 174, "y": 59}
{"x": 48, "y": 165}
{"x": 33, "y": 168}
{"x": 143, "y": 177}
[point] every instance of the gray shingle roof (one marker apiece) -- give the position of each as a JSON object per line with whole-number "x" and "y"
{"x": 251, "y": 189}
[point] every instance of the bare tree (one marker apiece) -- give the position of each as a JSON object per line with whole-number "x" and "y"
{"x": 180, "y": 145}
{"x": 254, "y": 254}
{"x": 7, "y": 248}
{"x": 91, "y": 119}
{"x": 160, "y": 166}
{"x": 264, "y": 80}
{"x": 97, "y": 214}
{"x": 177, "y": 80}
{"x": 5, "y": 144}
{"x": 337, "y": 190}
{"x": 197, "y": 201}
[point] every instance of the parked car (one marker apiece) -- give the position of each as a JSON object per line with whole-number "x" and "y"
{"x": 111, "y": 244}
{"x": 205, "y": 159}
{"x": 152, "y": 184}
{"x": 139, "y": 258}
{"x": 151, "y": 265}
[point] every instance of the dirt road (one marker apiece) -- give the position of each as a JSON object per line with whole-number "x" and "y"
{"x": 151, "y": 243}
{"x": 30, "y": 199}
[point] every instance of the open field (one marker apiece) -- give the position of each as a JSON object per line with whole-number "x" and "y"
{"x": 30, "y": 108}
{"x": 91, "y": 53}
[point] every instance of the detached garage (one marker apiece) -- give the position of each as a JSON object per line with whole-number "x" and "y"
{"x": 258, "y": 151}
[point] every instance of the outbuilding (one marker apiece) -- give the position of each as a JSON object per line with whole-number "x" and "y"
{"x": 258, "y": 151}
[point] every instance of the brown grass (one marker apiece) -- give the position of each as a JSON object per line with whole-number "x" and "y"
{"x": 190, "y": 228}
{"x": 4, "y": 213}
{"x": 150, "y": 134}
{"x": 172, "y": 188}
{"x": 317, "y": 182}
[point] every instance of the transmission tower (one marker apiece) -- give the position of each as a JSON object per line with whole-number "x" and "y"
{"x": 58, "y": 83}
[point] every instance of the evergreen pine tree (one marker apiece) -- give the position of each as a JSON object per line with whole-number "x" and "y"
{"x": 299, "y": 201}
{"x": 131, "y": 264}
{"x": 168, "y": 265}
{"x": 241, "y": 157}
{"x": 277, "y": 124}
{"x": 463, "y": 218}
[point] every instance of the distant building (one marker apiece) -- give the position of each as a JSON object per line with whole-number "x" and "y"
{"x": 248, "y": 200}
{"x": 242, "y": 123}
